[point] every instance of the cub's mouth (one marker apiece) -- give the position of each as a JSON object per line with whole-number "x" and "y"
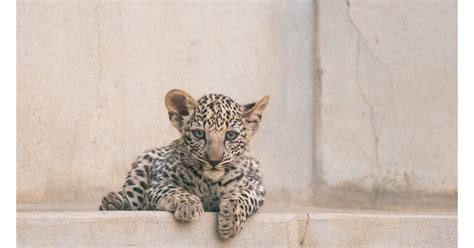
{"x": 214, "y": 174}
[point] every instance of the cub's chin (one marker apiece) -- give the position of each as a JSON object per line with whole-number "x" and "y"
{"x": 214, "y": 175}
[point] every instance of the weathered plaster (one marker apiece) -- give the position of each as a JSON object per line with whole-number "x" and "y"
{"x": 363, "y": 109}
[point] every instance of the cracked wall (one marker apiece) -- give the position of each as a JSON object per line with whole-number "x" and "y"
{"x": 388, "y": 99}
{"x": 363, "y": 94}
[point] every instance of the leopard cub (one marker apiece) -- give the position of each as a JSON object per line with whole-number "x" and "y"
{"x": 207, "y": 169}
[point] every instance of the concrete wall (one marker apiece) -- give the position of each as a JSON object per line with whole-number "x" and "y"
{"x": 363, "y": 94}
{"x": 387, "y": 98}
{"x": 92, "y": 79}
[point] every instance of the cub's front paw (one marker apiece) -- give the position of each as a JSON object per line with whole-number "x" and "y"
{"x": 115, "y": 201}
{"x": 188, "y": 209}
{"x": 231, "y": 219}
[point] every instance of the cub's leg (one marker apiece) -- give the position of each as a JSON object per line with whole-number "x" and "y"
{"x": 166, "y": 195}
{"x": 115, "y": 201}
{"x": 131, "y": 195}
{"x": 235, "y": 207}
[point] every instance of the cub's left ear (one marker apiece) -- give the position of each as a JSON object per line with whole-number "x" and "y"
{"x": 253, "y": 114}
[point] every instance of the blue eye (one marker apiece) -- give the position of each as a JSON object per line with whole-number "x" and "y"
{"x": 198, "y": 134}
{"x": 231, "y": 135}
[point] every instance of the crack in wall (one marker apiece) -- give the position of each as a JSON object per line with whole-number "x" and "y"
{"x": 304, "y": 230}
{"x": 360, "y": 36}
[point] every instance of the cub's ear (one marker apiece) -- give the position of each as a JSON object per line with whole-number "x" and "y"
{"x": 253, "y": 114}
{"x": 179, "y": 104}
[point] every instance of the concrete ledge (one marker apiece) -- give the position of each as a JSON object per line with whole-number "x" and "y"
{"x": 120, "y": 229}
{"x": 381, "y": 230}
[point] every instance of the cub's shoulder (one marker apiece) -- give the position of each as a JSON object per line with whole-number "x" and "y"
{"x": 253, "y": 171}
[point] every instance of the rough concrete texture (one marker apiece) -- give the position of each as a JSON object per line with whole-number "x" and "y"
{"x": 92, "y": 77}
{"x": 363, "y": 94}
{"x": 387, "y": 93}
{"x": 151, "y": 229}
{"x": 157, "y": 229}
{"x": 381, "y": 230}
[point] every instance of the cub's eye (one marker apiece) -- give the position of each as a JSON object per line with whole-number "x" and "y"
{"x": 198, "y": 134}
{"x": 231, "y": 135}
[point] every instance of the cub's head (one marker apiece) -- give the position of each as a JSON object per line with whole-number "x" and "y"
{"x": 215, "y": 128}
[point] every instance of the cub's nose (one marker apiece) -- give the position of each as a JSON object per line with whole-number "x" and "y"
{"x": 214, "y": 163}
{"x": 214, "y": 160}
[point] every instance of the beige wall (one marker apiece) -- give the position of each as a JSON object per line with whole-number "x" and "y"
{"x": 363, "y": 95}
{"x": 387, "y": 123}
{"x": 92, "y": 78}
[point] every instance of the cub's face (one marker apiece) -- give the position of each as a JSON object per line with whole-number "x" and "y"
{"x": 215, "y": 129}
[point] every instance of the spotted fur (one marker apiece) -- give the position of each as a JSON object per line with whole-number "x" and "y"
{"x": 208, "y": 169}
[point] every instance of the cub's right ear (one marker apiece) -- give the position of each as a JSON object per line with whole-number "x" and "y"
{"x": 179, "y": 104}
